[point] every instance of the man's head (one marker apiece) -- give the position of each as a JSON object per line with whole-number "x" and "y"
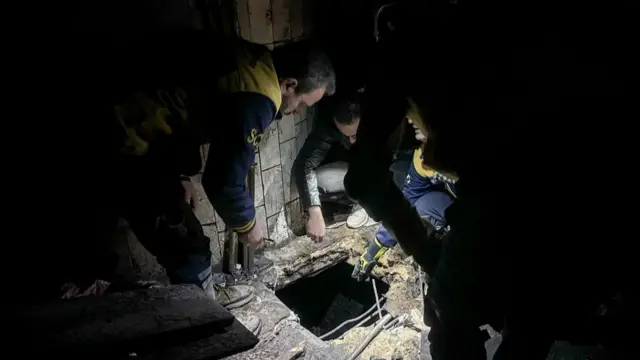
{"x": 305, "y": 74}
{"x": 346, "y": 116}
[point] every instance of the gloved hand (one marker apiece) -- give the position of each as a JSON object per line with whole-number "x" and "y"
{"x": 368, "y": 260}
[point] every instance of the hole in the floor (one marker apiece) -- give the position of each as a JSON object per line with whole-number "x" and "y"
{"x": 326, "y": 300}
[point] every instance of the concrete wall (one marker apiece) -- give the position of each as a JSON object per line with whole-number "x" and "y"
{"x": 273, "y": 23}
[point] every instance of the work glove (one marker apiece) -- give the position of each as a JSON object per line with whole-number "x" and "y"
{"x": 368, "y": 260}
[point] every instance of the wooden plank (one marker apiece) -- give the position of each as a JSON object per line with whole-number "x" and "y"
{"x": 242, "y": 16}
{"x": 123, "y": 322}
{"x": 296, "y": 19}
{"x": 235, "y": 339}
{"x": 261, "y": 22}
{"x": 281, "y": 20}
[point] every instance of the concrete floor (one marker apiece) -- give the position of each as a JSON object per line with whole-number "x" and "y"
{"x": 293, "y": 260}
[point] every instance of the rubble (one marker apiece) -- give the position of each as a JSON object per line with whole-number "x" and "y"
{"x": 298, "y": 258}
{"x": 281, "y": 332}
{"x": 393, "y": 344}
{"x": 302, "y": 257}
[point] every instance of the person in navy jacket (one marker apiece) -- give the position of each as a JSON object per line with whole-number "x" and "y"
{"x": 165, "y": 95}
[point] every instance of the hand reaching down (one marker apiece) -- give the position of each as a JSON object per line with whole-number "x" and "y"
{"x": 315, "y": 224}
{"x": 252, "y": 237}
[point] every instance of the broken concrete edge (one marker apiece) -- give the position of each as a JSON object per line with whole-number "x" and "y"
{"x": 302, "y": 257}
{"x": 235, "y": 339}
{"x": 281, "y": 330}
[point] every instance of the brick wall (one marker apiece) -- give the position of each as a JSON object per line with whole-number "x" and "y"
{"x": 273, "y": 23}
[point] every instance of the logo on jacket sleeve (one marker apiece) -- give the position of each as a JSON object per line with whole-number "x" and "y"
{"x": 254, "y": 138}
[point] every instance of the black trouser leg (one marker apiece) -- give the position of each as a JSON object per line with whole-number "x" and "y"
{"x": 467, "y": 287}
{"x": 169, "y": 229}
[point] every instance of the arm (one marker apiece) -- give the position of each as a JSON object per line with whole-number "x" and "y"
{"x": 230, "y": 157}
{"x": 313, "y": 152}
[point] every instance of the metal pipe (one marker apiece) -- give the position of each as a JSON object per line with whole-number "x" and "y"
{"x": 358, "y": 324}
{"x": 246, "y": 251}
{"x": 353, "y": 320}
{"x": 375, "y": 293}
{"x": 376, "y": 330}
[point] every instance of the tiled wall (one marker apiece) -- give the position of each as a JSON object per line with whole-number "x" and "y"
{"x": 270, "y": 22}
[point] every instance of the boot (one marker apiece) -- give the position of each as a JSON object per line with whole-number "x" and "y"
{"x": 235, "y": 296}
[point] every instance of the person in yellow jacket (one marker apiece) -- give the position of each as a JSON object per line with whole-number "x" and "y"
{"x": 164, "y": 96}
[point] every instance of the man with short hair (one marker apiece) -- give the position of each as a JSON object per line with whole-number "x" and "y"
{"x": 159, "y": 110}
{"x": 320, "y": 166}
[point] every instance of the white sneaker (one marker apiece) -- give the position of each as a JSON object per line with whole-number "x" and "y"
{"x": 357, "y": 219}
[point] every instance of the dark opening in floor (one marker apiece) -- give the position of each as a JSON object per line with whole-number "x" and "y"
{"x": 327, "y": 299}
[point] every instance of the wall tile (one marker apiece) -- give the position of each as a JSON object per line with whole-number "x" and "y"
{"x": 300, "y": 114}
{"x": 242, "y": 9}
{"x": 261, "y": 21}
{"x": 281, "y": 22}
{"x": 269, "y": 147}
{"x": 204, "y": 210}
{"x": 286, "y": 128}
{"x": 220, "y": 223}
{"x": 261, "y": 218}
{"x": 222, "y": 239}
{"x": 278, "y": 230}
{"x": 215, "y": 245}
{"x": 287, "y": 157}
{"x": 295, "y": 217}
{"x": 312, "y": 112}
{"x": 311, "y": 123}
{"x": 259, "y": 192}
{"x": 301, "y": 135}
{"x": 295, "y": 15}
{"x": 273, "y": 191}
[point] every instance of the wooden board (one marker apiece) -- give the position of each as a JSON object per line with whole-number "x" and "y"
{"x": 261, "y": 21}
{"x": 281, "y": 22}
{"x": 244, "y": 27}
{"x": 122, "y": 322}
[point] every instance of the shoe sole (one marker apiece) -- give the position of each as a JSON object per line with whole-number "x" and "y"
{"x": 240, "y": 303}
{"x": 359, "y": 224}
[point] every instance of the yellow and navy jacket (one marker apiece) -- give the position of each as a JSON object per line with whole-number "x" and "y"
{"x": 228, "y": 106}
{"x": 420, "y": 178}
{"x": 419, "y": 181}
